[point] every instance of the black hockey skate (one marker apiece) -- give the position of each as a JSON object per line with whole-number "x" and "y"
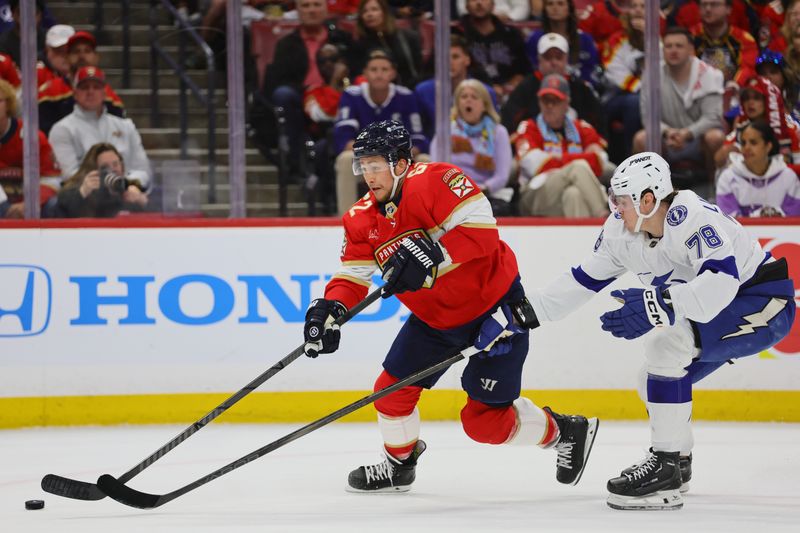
{"x": 685, "y": 464}
{"x": 392, "y": 475}
{"x": 653, "y": 484}
{"x": 576, "y": 437}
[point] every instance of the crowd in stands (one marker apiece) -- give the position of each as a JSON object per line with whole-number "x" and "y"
{"x": 547, "y": 96}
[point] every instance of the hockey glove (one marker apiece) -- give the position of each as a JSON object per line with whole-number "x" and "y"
{"x": 320, "y": 332}
{"x": 414, "y": 265}
{"x": 642, "y": 310}
{"x": 494, "y": 337}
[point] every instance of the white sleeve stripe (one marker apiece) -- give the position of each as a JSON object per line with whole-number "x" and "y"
{"x": 362, "y": 273}
{"x": 475, "y": 210}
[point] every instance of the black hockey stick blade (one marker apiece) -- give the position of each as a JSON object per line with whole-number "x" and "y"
{"x": 71, "y": 488}
{"x": 124, "y": 494}
{"x": 81, "y": 490}
{"x": 120, "y": 492}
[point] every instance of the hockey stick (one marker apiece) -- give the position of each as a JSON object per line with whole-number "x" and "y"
{"x": 116, "y": 489}
{"x": 81, "y": 490}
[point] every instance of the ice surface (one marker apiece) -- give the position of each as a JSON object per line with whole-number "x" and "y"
{"x": 746, "y": 478}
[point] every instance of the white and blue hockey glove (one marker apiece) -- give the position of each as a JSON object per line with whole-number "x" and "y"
{"x": 494, "y": 336}
{"x": 321, "y": 332}
{"x": 641, "y": 311}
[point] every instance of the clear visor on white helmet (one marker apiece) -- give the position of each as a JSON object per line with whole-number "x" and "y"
{"x": 371, "y": 164}
{"x": 618, "y": 204}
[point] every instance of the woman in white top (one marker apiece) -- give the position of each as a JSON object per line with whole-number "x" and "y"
{"x": 757, "y": 182}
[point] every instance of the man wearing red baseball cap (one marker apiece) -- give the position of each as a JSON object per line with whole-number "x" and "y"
{"x": 560, "y": 159}
{"x": 55, "y": 96}
{"x": 91, "y": 123}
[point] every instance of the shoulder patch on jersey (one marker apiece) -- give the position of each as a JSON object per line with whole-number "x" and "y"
{"x": 460, "y": 185}
{"x": 676, "y": 215}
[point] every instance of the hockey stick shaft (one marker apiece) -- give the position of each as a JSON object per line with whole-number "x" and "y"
{"x": 82, "y": 490}
{"x": 116, "y": 489}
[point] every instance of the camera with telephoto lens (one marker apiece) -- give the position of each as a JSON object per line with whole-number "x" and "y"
{"x": 112, "y": 182}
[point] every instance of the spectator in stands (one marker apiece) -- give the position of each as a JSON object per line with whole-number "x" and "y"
{"x": 560, "y": 159}
{"x": 537, "y": 8}
{"x": 559, "y": 17}
{"x": 793, "y": 48}
{"x": 56, "y": 54}
{"x": 691, "y": 103}
{"x": 99, "y": 188}
{"x": 461, "y": 68}
{"x": 374, "y": 100}
{"x": 505, "y": 10}
{"x": 9, "y": 71}
{"x": 56, "y": 100}
{"x": 603, "y": 18}
{"x": 727, "y": 48}
{"x": 761, "y": 100}
{"x": 10, "y": 40}
{"x": 772, "y": 66}
{"x": 480, "y": 145}
{"x": 522, "y": 104}
{"x": 623, "y": 60}
{"x": 321, "y": 104}
{"x": 376, "y": 28}
{"x": 758, "y": 182}
{"x": 497, "y": 47}
{"x": 11, "y": 158}
{"x": 294, "y": 69}
{"x": 91, "y": 123}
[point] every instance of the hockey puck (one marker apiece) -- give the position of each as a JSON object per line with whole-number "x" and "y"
{"x": 33, "y": 505}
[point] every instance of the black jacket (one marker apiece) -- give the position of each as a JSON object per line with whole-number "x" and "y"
{"x": 501, "y": 53}
{"x": 404, "y": 46}
{"x": 290, "y": 65}
{"x": 523, "y": 103}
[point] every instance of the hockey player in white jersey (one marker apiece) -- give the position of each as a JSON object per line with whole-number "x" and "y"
{"x": 713, "y": 295}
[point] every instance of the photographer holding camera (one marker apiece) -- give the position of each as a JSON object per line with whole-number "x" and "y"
{"x": 100, "y": 187}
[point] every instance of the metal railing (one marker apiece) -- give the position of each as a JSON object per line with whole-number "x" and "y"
{"x": 125, "y": 17}
{"x": 185, "y": 82}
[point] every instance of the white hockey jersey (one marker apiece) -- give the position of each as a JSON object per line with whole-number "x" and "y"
{"x": 704, "y": 257}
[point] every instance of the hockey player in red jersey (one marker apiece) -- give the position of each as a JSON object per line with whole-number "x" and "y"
{"x": 431, "y": 231}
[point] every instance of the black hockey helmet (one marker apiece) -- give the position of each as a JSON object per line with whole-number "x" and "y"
{"x": 388, "y": 138}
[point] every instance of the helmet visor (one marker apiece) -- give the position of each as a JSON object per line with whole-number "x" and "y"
{"x": 371, "y": 164}
{"x": 618, "y": 204}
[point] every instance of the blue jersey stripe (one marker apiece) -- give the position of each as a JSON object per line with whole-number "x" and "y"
{"x": 595, "y": 285}
{"x": 725, "y": 266}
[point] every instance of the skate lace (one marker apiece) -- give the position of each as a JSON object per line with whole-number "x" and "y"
{"x": 379, "y": 471}
{"x": 564, "y": 450}
{"x": 644, "y": 468}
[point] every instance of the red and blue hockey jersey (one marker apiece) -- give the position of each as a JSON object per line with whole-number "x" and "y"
{"x": 439, "y": 200}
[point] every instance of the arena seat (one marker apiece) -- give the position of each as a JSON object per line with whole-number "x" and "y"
{"x": 264, "y": 37}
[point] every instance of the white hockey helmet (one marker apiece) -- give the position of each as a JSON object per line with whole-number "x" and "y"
{"x": 640, "y": 173}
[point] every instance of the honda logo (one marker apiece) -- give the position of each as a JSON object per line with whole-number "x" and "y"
{"x": 25, "y": 300}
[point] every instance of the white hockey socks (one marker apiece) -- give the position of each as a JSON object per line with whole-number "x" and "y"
{"x": 534, "y": 425}
{"x": 400, "y": 433}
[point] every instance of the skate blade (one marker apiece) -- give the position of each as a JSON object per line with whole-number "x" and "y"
{"x": 664, "y": 500}
{"x": 387, "y": 490}
{"x": 591, "y": 433}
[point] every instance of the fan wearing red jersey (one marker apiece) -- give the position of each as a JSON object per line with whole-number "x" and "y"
{"x": 431, "y": 231}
